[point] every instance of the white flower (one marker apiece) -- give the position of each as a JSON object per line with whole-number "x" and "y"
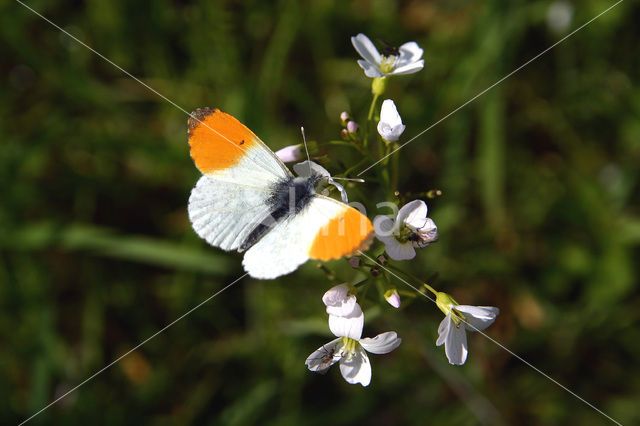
{"x": 308, "y": 168}
{"x": 346, "y": 321}
{"x": 351, "y": 350}
{"x": 290, "y": 153}
{"x": 411, "y": 229}
{"x": 403, "y": 60}
{"x": 452, "y": 331}
{"x": 390, "y": 125}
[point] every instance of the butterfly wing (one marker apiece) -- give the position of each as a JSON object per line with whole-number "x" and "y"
{"x": 239, "y": 170}
{"x": 326, "y": 229}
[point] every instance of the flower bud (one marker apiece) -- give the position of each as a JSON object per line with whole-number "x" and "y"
{"x": 290, "y": 153}
{"x": 352, "y": 127}
{"x": 344, "y": 117}
{"x": 344, "y": 134}
{"x": 392, "y": 297}
{"x": 354, "y": 262}
{"x": 390, "y": 126}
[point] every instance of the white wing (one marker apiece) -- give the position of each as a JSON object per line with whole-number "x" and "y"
{"x": 326, "y": 229}
{"x": 224, "y": 213}
{"x": 227, "y": 204}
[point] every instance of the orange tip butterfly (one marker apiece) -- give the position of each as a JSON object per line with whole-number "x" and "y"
{"x": 248, "y": 200}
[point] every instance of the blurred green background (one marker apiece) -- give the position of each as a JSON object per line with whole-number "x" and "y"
{"x": 539, "y": 214}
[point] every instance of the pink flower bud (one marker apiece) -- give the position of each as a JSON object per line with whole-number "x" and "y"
{"x": 344, "y": 117}
{"x": 392, "y": 297}
{"x": 352, "y": 127}
{"x": 290, "y": 153}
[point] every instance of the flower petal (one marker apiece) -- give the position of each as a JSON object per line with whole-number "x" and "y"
{"x": 336, "y": 295}
{"x": 370, "y": 70}
{"x": 383, "y": 226}
{"x": 350, "y": 326}
{"x": 387, "y": 240}
{"x": 388, "y": 133}
{"x": 409, "y": 68}
{"x": 392, "y": 297}
{"x": 443, "y": 329}
{"x": 396, "y": 132}
{"x": 390, "y": 126}
{"x": 348, "y": 308}
{"x": 409, "y": 52}
{"x": 413, "y": 213}
{"x": 454, "y": 339}
{"x": 417, "y": 217}
{"x": 385, "y": 131}
{"x": 389, "y": 113}
{"x": 399, "y": 251}
{"x": 478, "y": 317}
{"x": 429, "y": 227}
{"x": 325, "y": 356}
{"x": 366, "y": 49}
{"x": 289, "y": 153}
{"x": 303, "y": 169}
{"x": 356, "y": 368}
{"x": 455, "y": 345}
{"x": 381, "y": 344}
{"x": 339, "y": 302}
{"x": 427, "y": 234}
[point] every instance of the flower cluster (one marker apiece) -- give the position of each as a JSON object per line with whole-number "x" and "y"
{"x": 401, "y": 233}
{"x": 346, "y": 321}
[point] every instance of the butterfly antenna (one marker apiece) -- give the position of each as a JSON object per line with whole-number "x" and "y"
{"x": 349, "y": 179}
{"x": 304, "y": 139}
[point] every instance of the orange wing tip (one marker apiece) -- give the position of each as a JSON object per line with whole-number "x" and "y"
{"x": 366, "y": 243}
{"x": 217, "y": 140}
{"x": 344, "y": 235}
{"x": 198, "y": 116}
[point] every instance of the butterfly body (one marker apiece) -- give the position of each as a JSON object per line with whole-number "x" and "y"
{"x": 288, "y": 196}
{"x": 247, "y": 200}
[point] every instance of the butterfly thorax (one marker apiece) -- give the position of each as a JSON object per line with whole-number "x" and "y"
{"x": 291, "y": 195}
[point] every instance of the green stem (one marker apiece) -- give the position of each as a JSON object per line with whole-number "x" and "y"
{"x": 431, "y": 289}
{"x": 360, "y": 164}
{"x": 394, "y": 168}
{"x": 414, "y": 278}
{"x": 372, "y": 108}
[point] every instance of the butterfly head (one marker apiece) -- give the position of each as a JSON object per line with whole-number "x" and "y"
{"x": 315, "y": 174}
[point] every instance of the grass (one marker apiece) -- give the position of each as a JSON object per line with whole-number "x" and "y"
{"x": 539, "y": 213}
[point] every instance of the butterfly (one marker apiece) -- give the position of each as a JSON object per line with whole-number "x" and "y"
{"x": 248, "y": 200}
